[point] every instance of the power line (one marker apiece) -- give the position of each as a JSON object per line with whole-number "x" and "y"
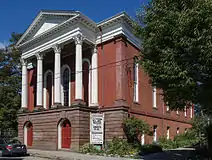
{"x": 102, "y": 66}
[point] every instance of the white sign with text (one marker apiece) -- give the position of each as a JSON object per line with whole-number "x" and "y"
{"x": 96, "y": 128}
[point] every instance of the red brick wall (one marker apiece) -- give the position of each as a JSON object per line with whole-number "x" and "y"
{"x": 106, "y": 73}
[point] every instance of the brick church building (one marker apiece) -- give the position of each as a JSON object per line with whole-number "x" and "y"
{"x": 72, "y": 67}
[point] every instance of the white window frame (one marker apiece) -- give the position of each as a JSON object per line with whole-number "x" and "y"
{"x": 136, "y": 82}
{"x": 65, "y": 66}
{"x": 167, "y": 106}
{"x": 191, "y": 111}
{"x": 155, "y": 133}
{"x": 168, "y": 132}
{"x": 154, "y": 96}
{"x": 142, "y": 139}
{"x": 185, "y": 111}
{"x": 178, "y": 130}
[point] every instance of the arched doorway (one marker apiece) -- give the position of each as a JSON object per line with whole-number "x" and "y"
{"x": 28, "y": 134}
{"x": 64, "y": 134}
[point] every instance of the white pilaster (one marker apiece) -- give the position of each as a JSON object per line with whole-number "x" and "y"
{"x": 57, "y": 74}
{"x": 78, "y": 67}
{"x": 94, "y": 83}
{"x": 39, "y": 79}
{"x": 24, "y": 98}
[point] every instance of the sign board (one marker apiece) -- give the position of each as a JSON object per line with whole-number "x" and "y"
{"x": 96, "y": 128}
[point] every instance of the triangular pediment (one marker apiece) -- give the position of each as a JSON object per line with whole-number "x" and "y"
{"x": 46, "y": 20}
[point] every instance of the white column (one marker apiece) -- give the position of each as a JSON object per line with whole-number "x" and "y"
{"x": 78, "y": 67}
{"x": 24, "y": 97}
{"x": 94, "y": 83}
{"x": 39, "y": 79}
{"x": 57, "y": 74}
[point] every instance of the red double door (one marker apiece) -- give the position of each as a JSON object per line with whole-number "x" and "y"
{"x": 29, "y": 134}
{"x": 66, "y": 135}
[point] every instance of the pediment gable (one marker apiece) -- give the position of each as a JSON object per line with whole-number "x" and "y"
{"x": 46, "y": 20}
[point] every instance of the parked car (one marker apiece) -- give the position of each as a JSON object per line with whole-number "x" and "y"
{"x": 12, "y": 147}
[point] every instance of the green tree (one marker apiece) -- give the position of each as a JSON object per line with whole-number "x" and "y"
{"x": 10, "y": 83}
{"x": 177, "y": 49}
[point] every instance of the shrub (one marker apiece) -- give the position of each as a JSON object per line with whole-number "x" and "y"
{"x": 167, "y": 143}
{"x": 186, "y": 139}
{"x": 90, "y": 148}
{"x": 150, "y": 148}
{"x": 134, "y": 128}
{"x": 120, "y": 147}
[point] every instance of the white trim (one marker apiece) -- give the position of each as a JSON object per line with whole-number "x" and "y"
{"x": 142, "y": 139}
{"x": 191, "y": 112}
{"x": 167, "y": 106}
{"x": 61, "y": 24}
{"x": 185, "y": 111}
{"x": 178, "y": 130}
{"x": 59, "y": 135}
{"x": 136, "y": 83}
{"x": 45, "y": 86}
{"x": 89, "y": 80}
{"x": 25, "y": 133}
{"x": 48, "y": 45}
{"x": 69, "y": 92}
{"x": 155, "y": 133}
{"x": 154, "y": 96}
{"x": 168, "y": 133}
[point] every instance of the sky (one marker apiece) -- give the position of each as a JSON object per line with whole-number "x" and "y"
{"x": 17, "y": 15}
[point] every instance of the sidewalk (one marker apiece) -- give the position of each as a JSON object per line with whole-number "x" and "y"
{"x": 66, "y": 155}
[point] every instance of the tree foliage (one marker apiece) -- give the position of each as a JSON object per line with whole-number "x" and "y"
{"x": 10, "y": 83}
{"x": 177, "y": 49}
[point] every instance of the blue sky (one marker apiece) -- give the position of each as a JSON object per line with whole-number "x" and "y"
{"x": 17, "y": 15}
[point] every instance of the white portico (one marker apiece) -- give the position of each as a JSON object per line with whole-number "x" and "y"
{"x": 50, "y": 32}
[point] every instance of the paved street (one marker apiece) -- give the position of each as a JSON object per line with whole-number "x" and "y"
{"x": 178, "y": 154}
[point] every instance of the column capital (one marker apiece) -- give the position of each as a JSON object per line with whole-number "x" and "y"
{"x": 79, "y": 38}
{"x": 57, "y": 48}
{"x": 39, "y": 56}
{"x": 23, "y": 62}
{"x": 94, "y": 49}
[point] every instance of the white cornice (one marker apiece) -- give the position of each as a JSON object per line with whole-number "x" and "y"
{"x": 40, "y": 15}
{"x": 63, "y": 32}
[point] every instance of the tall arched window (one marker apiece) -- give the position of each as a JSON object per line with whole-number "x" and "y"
{"x": 86, "y": 81}
{"x": 66, "y": 85}
{"x": 48, "y": 89}
{"x": 135, "y": 80}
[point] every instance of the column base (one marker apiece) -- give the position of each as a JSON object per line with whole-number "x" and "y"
{"x": 23, "y": 110}
{"x": 39, "y": 108}
{"x": 120, "y": 103}
{"x": 78, "y": 103}
{"x": 56, "y": 105}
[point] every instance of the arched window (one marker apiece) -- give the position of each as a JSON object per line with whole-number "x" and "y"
{"x": 48, "y": 89}
{"x": 86, "y": 81}
{"x": 66, "y": 85}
